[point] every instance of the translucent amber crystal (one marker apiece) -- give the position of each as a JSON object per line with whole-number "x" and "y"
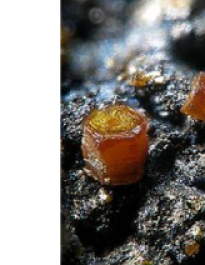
{"x": 195, "y": 103}
{"x": 115, "y": 144}
{"x": 143, "y": 79}
{"x": 140, "y": 80}
{"x": 192, "y": 248}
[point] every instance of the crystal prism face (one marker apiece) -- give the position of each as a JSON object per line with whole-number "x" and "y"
{"x": 195, "y": 103}
{"x": 115, "y": 145}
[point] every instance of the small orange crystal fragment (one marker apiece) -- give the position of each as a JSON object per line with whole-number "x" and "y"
{"x": 195, "y": 103}
{"x": 192, "y": 248}
{"x": 115, "y": 145}
{"x": 140, "y": 79}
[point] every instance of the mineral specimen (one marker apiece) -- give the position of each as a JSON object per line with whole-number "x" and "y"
{"x": 115, "y": 145}
{"x": 161, "y": 218}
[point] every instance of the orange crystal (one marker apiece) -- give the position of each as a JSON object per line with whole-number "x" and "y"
{"x": 141, "y": 80}
{"x": 195, "y": 103}
{"x": 115, "y": 144}
{"x": 192, "y": 248}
